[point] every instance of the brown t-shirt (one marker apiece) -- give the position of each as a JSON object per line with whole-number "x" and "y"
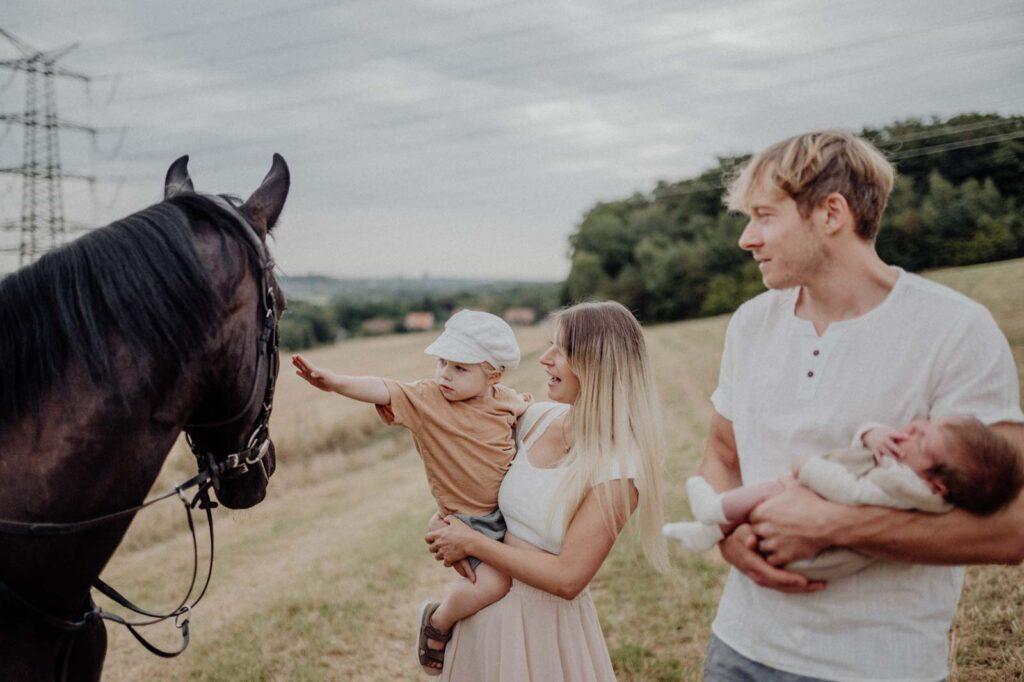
{"x": 466, "y": 445}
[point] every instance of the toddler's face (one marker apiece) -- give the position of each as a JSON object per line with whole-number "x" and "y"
{"x": 461, "y": 381}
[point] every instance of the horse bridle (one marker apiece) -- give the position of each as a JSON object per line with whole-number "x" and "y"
{"x": 211, "y": 473}
{"x": 258, "y": 443}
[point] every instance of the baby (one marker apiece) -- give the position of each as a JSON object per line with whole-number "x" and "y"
{"x": 462, "y": 423}
{"x": 929, "y": 466}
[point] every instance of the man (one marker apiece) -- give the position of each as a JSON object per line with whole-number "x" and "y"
{"x": 839, "y": 340}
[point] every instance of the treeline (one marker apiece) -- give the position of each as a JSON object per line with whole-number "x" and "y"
{"x": 310, "y": 324}
{"x": 671, "y": 254}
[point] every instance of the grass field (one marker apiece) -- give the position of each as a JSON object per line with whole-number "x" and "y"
{"x": 321, "y": 580}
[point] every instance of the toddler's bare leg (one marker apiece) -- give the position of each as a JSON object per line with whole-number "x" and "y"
{"x": 466, "y": 598}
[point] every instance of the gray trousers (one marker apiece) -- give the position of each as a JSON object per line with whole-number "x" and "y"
{"x": 725, "y": 664}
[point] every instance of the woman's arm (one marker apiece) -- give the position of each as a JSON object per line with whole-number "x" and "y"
{"x": 366, "y": 389}
{"x": 587, "y": 542}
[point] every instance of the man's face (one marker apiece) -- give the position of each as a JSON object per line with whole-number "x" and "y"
{"x": 461, "y": 381}
{"x": 789, "y": 249}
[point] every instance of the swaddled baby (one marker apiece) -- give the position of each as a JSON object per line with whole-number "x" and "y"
{"x": 929, "y": 466}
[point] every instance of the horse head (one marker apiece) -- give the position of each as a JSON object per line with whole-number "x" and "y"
{"x": 229, "y": 428}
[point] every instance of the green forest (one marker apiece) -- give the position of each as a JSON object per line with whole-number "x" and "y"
{"x": 673, "y": 254}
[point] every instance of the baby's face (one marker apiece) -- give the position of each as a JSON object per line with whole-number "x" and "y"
{"x": 925, "y": 446}
{"x": 461, "y": 381}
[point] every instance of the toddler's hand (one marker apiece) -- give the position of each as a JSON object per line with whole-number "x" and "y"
{"x": 323, "y": 379}
{"x": 884, "y": 442}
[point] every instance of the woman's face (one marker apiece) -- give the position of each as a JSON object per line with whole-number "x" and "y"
{"x": 563, "y": 385}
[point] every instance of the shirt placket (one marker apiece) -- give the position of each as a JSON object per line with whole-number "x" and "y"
{"x": 814, "y": 355}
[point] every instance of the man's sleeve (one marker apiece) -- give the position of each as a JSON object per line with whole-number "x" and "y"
{"x": 977, "y": 374}
{"x": 722, "y": 397}
{"x": 406, "y": 400}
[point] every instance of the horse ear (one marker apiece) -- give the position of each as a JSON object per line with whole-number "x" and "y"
{"x": 265, "y": 204}
{"x": 177, "y": 179}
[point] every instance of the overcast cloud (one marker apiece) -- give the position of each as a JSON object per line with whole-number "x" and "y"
{"x": 467, "y": 138}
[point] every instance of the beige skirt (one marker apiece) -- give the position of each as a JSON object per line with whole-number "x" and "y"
{"x": 529, "y": 635}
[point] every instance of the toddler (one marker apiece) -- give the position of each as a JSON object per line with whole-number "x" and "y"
{"x": 929, "y": 466}
{"x": 462, "y": 423}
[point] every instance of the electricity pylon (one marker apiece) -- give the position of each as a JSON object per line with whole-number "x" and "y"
{"x": 42, "y": 198}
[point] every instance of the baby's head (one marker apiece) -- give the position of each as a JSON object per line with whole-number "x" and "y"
{"x": 969, "y": 464}
{"x": 473, "y": 353}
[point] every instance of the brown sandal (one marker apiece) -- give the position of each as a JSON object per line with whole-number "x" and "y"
{"x": 425, "y": 654}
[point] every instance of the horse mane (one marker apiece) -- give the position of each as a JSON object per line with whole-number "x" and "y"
{"x": 138, "y": 281}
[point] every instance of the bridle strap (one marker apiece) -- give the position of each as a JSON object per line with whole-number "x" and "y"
{"x": 93, "y": 613}
{"x": 38, "y": 529}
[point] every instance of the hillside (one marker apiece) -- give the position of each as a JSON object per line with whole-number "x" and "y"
{"x": 321, "y": 580}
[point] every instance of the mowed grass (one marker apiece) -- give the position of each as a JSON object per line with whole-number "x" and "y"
{"x": 322, "y": 580}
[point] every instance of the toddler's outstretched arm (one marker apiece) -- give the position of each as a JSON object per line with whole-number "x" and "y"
{"x": 367, "y": 389}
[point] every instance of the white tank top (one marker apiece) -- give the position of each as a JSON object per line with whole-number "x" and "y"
{"x": 528, "y": 493}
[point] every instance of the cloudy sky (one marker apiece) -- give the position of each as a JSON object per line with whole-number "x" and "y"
{"x": 467, "y": 137}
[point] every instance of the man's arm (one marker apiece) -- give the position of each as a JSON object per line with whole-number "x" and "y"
{"x": 721, "y": 464}
{"x": 797, "y": 524}
{"x": 721, "y": 468}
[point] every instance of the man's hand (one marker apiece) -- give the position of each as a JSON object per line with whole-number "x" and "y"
{"x": 791, "y": 525}
{"x": 739, "y": 548}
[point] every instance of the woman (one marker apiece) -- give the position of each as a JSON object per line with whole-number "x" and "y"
{"x": 584, "y": 463}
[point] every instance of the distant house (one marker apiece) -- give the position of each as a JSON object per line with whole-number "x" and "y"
{"x": 378, "y": 325}
{"x": 520, "y": 316}
{"x": 419, "y": 321}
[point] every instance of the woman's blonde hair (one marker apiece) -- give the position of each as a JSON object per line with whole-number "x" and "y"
{"x": 616, "y": 416}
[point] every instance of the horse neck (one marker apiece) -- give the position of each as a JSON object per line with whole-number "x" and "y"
{"x": 95, "y": 453}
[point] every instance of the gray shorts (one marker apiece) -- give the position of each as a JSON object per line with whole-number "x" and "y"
{"x": 492, "y": 525}
{"x": 725, "y": 664}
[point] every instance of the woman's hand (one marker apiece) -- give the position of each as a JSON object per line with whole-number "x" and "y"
{"x": 323, "y": 379}
{"x": 451, "y": 543}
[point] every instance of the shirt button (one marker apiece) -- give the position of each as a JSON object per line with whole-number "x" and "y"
{"x": 810, "y": 374}
{"x": 817, "y": 353}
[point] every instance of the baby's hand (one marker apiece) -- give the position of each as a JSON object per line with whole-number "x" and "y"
{"x": 323, "y": 379}
{"x": 884, "y": 442}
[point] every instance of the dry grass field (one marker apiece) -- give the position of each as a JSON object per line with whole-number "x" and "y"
{"x": 321, "y": 580}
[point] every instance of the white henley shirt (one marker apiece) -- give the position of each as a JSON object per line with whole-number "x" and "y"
{"x": 925, "y": 352}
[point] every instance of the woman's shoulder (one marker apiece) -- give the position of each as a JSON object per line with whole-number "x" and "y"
{"x": 537, "y": 410}
{"x": 533, "y": 414}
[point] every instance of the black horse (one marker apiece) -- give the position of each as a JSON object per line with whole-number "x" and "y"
{"x": 109, "y": 347}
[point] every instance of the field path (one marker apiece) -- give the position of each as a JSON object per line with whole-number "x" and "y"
{"x": 322, "y": 535}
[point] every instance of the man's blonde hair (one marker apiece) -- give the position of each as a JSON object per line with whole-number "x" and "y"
{"x": 811, "y": 166}
{"x": 616, "y": 417}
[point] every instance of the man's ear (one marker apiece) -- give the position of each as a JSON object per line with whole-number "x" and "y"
{"x": 838, "y": 215}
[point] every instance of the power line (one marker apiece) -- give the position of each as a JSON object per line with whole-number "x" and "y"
{"x": 960, "y": 144}
{"x": 657, "y": 80}
{"x": 614, "y": 24}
